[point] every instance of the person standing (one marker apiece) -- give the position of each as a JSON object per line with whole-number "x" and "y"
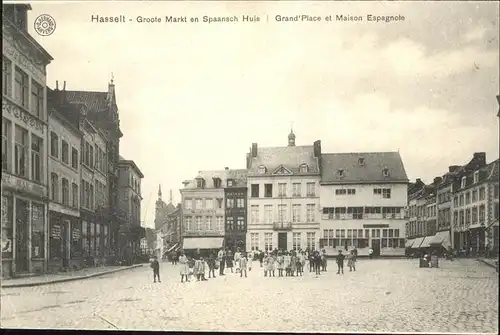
{"x": 280, "y": 262}
{"x": 351, "y": 261}
{"x": 265, "y": 261}
{"x": 184, "y": 269}
{"x": 243, "y": 265}
{"x": 318, "y": 262}
{"x": 340, "y": 262}
{"x": 229, "y": 260}
{"x": 211, "y": 265}
{"x": 237, "y": 256}
{"x": 221, "y": 258}
{"x": 250, "y": 261}
{"x": 370, "y": 253}
{"x": 324, "y": 261}
{"x": 155, "y": 265}
{"x": 261, "y": 257}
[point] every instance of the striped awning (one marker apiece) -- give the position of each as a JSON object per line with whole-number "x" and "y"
{"x": 417, "y": 243}
{"x": 409, "y": 243}
{"x": 441, "y": 237}
{"x": 203, "y": 243}
{"x": 426, "y": 243}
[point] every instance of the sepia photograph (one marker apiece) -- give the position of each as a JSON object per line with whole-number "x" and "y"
{"x": 250, "y": 166}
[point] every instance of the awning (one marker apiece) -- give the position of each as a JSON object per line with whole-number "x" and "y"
{"x": 417, "y": 243}
{"x": 203, "y": 243}
{"x": 441, "y": 237}
{"x": 409, "y": 243}
{"x": 171, "y": 248}
{"x": 426, "y": 243}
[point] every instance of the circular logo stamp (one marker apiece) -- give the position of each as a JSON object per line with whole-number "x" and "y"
{"x": 45, "y": 25}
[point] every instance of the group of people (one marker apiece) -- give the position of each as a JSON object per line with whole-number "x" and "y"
{"x": 285, "y": 263}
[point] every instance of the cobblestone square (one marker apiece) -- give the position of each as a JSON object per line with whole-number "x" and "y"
{"x": 382, "y": 295}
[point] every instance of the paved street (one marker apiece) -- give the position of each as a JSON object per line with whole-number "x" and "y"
{"x": 383, "y": 295}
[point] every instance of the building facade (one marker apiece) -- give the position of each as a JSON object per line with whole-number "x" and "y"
{"x": 130, "y": 198}
{"x": 363, "y": 199}
{"x": 283, "y": 201}
{"x": 65, "y": 248}
{"x": 235, "y": 200}
{"x": 203, "y": 211}
{"x": 24, "y": 146}
{"x": 172, "y": 237}
{"x": 443, "y": 206}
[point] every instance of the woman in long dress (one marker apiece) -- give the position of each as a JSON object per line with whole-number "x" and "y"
{"x": 293, "y": 263}
{"x": 237, "y": 256}
{"x": 280, "y": 261}
{"x": 229, "y": 260}
{"x": 184, "y": 267}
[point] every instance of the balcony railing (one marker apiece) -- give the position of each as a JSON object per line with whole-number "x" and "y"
{"x": 282, "y": 225}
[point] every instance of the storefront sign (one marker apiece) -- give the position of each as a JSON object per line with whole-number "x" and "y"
{"x": 374, "y": 225}
{"x": 56, "y": 231}
{"x": 21, "y": 185}
{"x": 63, "y": 210}
{"x": 28, "y": 119}
{"x": 76, "y": 234}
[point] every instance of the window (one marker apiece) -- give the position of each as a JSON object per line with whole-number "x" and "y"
{"x": 462, "y": 218}
{"x": 21, "y": 152}
{"x": 240, "y": 203}
{"x": 91, "y": 203}
{"x": 464, "y": 182}
{"x": 357, "y": 212}
{"x": 91, "y": 155}
{"x": 467, "y": 198}
{"x": 282, "y": 215}
{"x": 36, "y": 161}
{"x": 455, "y": 201}
{"x": 230, "y": 182}
{"x": 281, "y": 190}
{"x": 240, "y": 223}
{"x": 92, "y": 238}
{"x": 85, "y": 237}
{"x": 76, "y": 242}
{"x": 219, "y": 203}
{"x": 37, "y": 98}
{"x": 268, "y": 241}
{"x": 361, "y": 161}
{"x": 340, "y": 173}
{"x": 220, "y": 221}
{"x": 296, "y": 241}
{"x": 310, "y": 215}
{"x": 64, "y": 152}
{"x": 340, "y": 192}
{"x": 295, "y": 213}
{"x": 255, "y": 213}
{"x": 188, "y": 203}
{"x": 65, "y": 191}
{"x": 474, "y": 215}
{"x": 21, "y": 93}
{"x": 209, "y": 203}
{"x": 54, "y": 145}
{"x": 199, "y": 182}
{"x": 87, "y": 154}
{"x": 311, "y": 241}
{"x": 7, "y": 226}
{"x": 268, "y": 190}
{"x": 198, "y": 204}
{"x": 262, "y": 169}
{"x": 482, "y": 214}
{"x": 311, "y": 192}
{"x": 268, "y": 213}
{"x": 74, "y": 195}
{"x": 254, "y": 241}
{"x": 255, "y": 190}
{"x": 461, "y": 201}
{"x": 303, "y": 168}
{"x": 385, "y": 172}
{"x": 230, "y": 203}
{"x": 495, "y": 192}
{"x": 476, "y": 177}
{"x": 296, "y": 189}
{"x": 474, "y": 196}
{"x": 54, "y": 187}
{"x": 188, "y": 223}
{"x": 482, "y": 193}
{"x": 209, "y": 223}
{"x": 199, "y": 223}
{"x": 6, "y": 141}
{"x": 6, "y": 76}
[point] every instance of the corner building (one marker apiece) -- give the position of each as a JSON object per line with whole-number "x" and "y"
{"x": 24, "y": 146}
{"x": 363, "y": 199}
{"x": 283, "y": 201}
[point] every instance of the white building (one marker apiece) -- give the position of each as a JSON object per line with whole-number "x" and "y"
{"x": 283, "y": 199}
{"x": 363, "y": 199}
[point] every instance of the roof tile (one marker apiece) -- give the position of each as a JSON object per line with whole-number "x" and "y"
{"x": 290, "y": 157}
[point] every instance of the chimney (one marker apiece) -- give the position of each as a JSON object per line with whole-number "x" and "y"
{"x": 254, "y": 149}
{"x": 57, "y": 85}
{"x": 64, "y": 86}
{"x": 418, "y": 181}
{"x": 317, "y": 148}
{"x": 480, "y": 158}
{"x": 453, "y": 168}
{"x": 437, "y": 180}
{"x": 226, "y": 168}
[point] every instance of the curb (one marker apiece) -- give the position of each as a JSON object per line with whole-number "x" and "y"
{"x": 487, "y": 263}
{"x": 70, "y": 278}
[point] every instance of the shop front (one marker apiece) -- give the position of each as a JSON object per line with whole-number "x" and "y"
{"x": 235, "y": 240}
{"x": 24, "y": 217}
{"x": 65, "y": 243}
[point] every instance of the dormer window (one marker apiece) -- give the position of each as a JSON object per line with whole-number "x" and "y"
{"x": 464, "y": 182}
{"x": 385, "y": 172}
{"x": 230, "y": 182}
{"x": 262, "y": 169}
{"x": 217, "y": 182}
{"x": 476, "y": 177}
{"x": 303, "y": 168}
{"x": 361, "y": 161}
{"x": 340, "y": 173}
{"x": 200, "y": 182}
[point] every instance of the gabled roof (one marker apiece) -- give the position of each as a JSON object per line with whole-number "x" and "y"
{"x": 281, "y": 170}
{"x": 290, "y": 157}
{"x": 485, "y": 174}
{"x": 95, "y": 101}
{"x": 131, "y": 163}
{"x": 371, "y": 170}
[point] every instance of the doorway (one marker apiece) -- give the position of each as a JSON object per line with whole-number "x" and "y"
{"x": 282, "y": 241}
{"x": 22, "y": 238}
{"x": 376, "y": 247}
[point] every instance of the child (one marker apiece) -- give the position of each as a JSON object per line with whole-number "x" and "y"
{"x": 272, "y": 264}
{"x": 340, "y": 262}
{"x": 155, "y": 265}
{"x": 287, "y": 260}
{"x": 249, "y": 261}
{"x": 265, "y": 262}
{"x": 280, "y": 262}
{"x": 243, "y": 265}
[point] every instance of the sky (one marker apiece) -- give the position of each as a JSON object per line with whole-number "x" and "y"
{"x": 194, "y": 96}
